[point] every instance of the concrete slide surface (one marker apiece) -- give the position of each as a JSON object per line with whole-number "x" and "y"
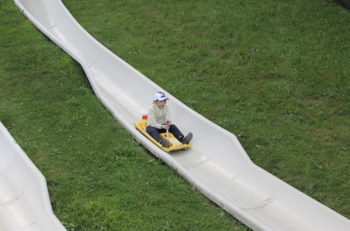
{"x": 24, "y": 199}
{"x": 217, "y": 165}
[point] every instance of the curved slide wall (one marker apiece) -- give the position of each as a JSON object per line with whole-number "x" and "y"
{"x": 217, "y": 165}
{"x": 24, "y": 199}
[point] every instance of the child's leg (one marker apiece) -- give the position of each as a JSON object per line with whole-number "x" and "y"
{"x": 154, "y": 132}
{"x": 177, "y": 133}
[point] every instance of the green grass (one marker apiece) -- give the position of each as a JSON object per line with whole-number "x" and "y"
{"x": 275, "y": 73}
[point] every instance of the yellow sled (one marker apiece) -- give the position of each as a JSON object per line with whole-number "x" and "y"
{"x": 175, "y": 144}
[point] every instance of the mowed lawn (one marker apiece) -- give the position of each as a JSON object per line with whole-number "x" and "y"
{"x": 275, "y": 73}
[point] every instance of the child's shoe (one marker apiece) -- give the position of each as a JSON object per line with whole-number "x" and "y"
{"x": 187, "y": 139}
{"x": 165, "y": 143}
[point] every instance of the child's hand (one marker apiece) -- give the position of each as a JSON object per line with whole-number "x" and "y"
{"x": 167, "y": 125}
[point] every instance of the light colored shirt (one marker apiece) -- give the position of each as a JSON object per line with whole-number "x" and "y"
{"x": 158, "y": 116}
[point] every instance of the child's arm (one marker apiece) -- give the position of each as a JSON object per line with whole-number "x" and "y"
{"x": 167, "y": 115}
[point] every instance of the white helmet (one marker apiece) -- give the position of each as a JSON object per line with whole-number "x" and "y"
{"x": 159, "y": 96}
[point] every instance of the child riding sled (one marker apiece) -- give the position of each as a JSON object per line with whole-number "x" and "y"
{"x": 159, "y": 121}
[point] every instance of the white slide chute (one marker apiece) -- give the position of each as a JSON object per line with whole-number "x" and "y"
{"x": 217, "y": 165}
{"x": 24, "y": 199}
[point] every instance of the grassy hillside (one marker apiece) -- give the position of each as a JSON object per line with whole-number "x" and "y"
{"x": 275, "y": 73}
